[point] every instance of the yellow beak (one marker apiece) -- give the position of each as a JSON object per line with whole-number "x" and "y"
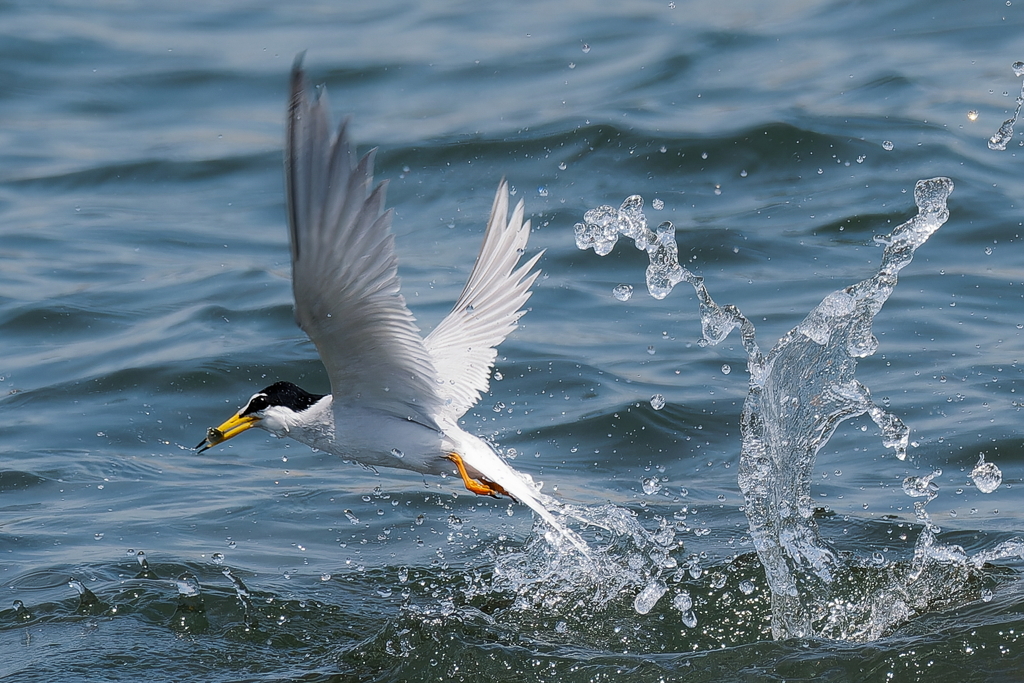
{"x": 230, "y": 429}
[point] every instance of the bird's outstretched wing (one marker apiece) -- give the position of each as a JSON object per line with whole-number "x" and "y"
{"x": 463, "y": 346}
{"x": 344, "y": 270}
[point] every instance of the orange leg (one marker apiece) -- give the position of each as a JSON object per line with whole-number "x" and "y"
{"x": 481, "y": 487}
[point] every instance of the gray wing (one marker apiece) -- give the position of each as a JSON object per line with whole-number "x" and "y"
{"x": 344, "y": 270}
{"x": 464, "y": 345}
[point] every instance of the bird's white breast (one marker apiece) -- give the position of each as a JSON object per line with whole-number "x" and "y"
{"x": 366, "y": 436}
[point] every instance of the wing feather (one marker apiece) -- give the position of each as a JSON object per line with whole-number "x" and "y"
{"x": 463, "y": 346}
{"x": 344, "y": 269}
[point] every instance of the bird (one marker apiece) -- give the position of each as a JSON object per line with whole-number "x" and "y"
{"x": 396, "y": 397}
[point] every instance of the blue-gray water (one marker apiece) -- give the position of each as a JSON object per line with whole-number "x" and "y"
{"x": 144, "y": 295}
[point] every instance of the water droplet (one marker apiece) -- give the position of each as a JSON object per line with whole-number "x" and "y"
{"x": 986, "y": 476}
{"x": 746, "y": 587}
{"x": 188, "y": 585}
{"x": 351, "y": 517}
{"x": 887, "y": 145}
{"x": 651, "y": 350}
{"x": 657, "y": 205}
{"x": 542, "y": 191}
{"x": 726, "y": 369}
{"x": 622, "y": 292}
{"x": 498, "y": 407}
{"x": 657, "y": 401}
{"x": 650, "y": 485}
{"x": 397, "y": 453}
{"x": 684, "y": 603}
{"x": 922, "y": 487}
{"x": 572, "y": 65}
{"x": 218, "y": 558}
{"x": 972, "y": 115}
{"x": 743, "y": 173}
{"x": 1018, "y": 69}
{"x": 403, "y": 574}
{"x": 98, "y": 537}
{"x": 585, "y": 48}
{"x": 325, "y": 576}
{"x": 649, "y": 596}
{"x": 562, "y": 166}
{"x": 861, "y": 158}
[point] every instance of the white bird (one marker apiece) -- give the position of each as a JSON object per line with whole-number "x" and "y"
{"x": 396, "y": 397}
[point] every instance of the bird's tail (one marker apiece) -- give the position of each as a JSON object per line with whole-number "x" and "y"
{"x": 478, "y": 456}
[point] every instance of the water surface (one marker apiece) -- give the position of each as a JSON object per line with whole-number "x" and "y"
{"x": 144, "y": 295}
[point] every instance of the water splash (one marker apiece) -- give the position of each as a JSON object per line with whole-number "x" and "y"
{"x": 145, "y": 572}
{"x": 1002, "y": 137}
{"x": 188, "y": 586}
{"x": 244, "y": 597}
{"x": 922, "y": 487}
{"x": 87, "y": 600}
{"x": 190, "y": 612}
{"x": 799, "y": 393}
{"x": 646, "y": 599}
{"x": 623, "y": 292}
{"x": 986, "y": 475}
{"x": 625, "y": 560}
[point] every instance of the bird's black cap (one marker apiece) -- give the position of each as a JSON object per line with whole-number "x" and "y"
{"x": 283, "y": 394}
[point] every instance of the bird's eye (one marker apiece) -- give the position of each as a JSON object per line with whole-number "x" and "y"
{"x": 256, "y": 404}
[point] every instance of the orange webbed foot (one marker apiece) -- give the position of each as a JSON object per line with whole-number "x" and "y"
{"x": 481, "y": 487}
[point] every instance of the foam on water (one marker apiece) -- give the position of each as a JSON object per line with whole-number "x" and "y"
{"x": 799, "y": 393}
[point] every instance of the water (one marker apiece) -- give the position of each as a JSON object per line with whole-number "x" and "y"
{"x": 799, "y": 393}
{"x": 144, "y": 294}
{"x": 1002, "y": 137}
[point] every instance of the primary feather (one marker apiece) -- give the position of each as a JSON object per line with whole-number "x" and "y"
{"x": 344, "y": 269}
{"x": 463, "y": 346}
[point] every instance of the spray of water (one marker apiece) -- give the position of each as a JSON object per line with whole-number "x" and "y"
{"x": 799, "y": 393}
{"x": 1002, "y": 137}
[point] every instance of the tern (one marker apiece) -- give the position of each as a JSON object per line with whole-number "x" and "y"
{"x": 396, "y": 397}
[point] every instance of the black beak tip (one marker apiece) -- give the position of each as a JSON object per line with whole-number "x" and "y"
{"x": 202, "y": 446}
